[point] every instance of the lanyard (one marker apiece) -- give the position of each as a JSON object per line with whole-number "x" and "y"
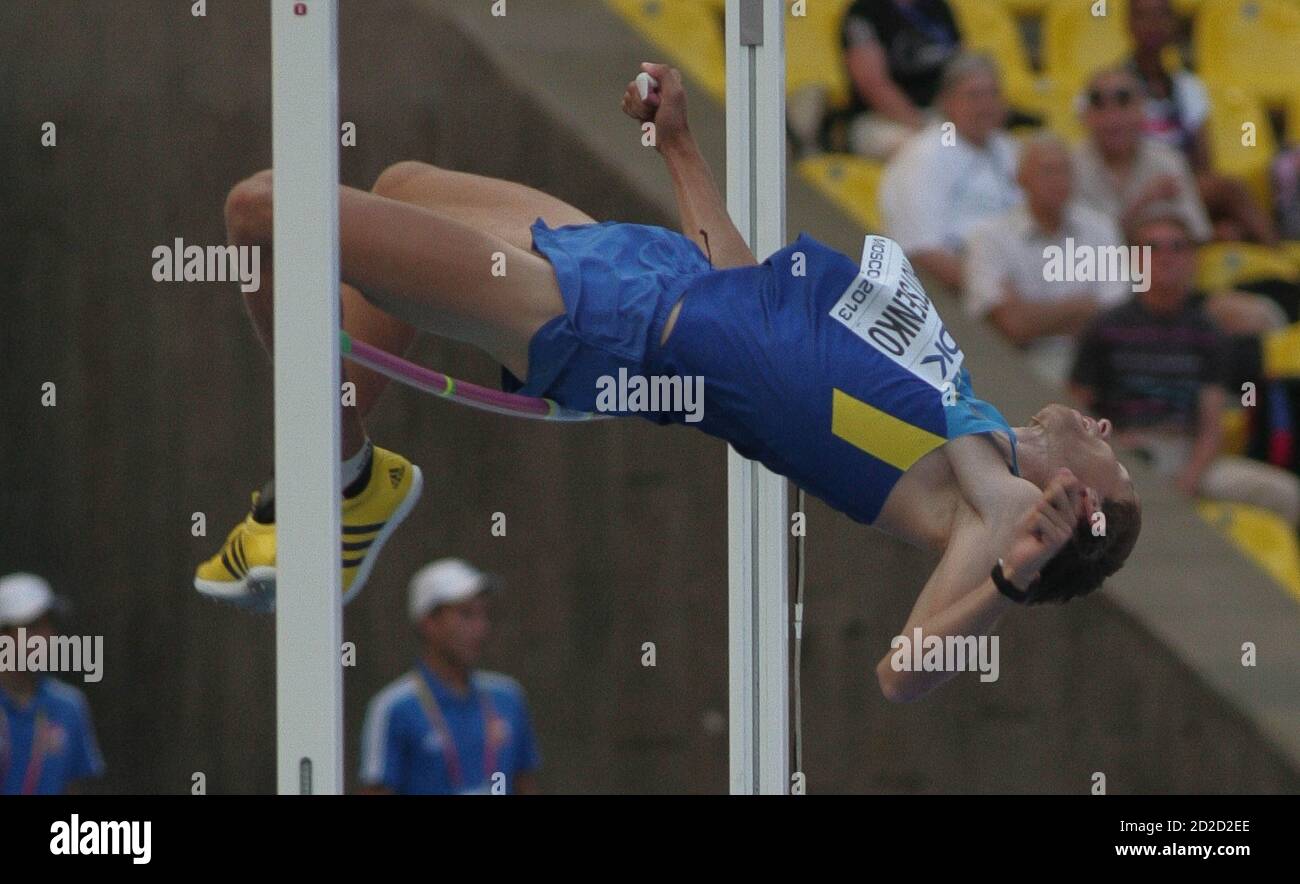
{"x": 35, "y": 762}
{"x": 492, "y": 734}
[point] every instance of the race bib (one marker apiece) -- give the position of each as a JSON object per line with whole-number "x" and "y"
{"x": 886, "y": 307}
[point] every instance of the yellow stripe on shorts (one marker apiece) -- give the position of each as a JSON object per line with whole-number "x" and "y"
{"x": 879, "y": 434}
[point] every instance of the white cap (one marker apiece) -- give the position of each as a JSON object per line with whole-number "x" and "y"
{"x": 24, "y": 599}
{"x": 446, "y": 582}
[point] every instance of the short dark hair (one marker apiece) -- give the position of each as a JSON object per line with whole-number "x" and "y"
{"x": 1087, "y": 560}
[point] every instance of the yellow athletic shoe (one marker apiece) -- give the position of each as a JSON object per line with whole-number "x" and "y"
{"x": 243, "y": 572}
{"x": 370, "y": 518}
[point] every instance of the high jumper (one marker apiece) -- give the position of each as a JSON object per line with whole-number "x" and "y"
{"x": 838, "y": 374}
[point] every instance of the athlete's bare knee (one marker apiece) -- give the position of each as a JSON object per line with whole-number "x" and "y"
{"x": 394, "y": 180}
{"x": 248, "y": 210}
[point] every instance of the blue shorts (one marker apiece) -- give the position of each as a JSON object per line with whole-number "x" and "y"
{"x": 619, "y": 282}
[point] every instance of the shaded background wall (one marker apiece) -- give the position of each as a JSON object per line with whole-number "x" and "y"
{"x": 616, "y": 532}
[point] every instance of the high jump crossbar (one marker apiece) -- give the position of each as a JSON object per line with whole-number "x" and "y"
{"x": 309, "y": 684}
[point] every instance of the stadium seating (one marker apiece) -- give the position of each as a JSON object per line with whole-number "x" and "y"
{"x": 1292, "y": 250}
{"x": 1261, "y": 536}
{"x": 814, "y": 58}
{"x": 1225, "y": 265}
{"x": 1252, "y": 45}
{"x": 1025, "y": 7}
{"x": 1075, "y": 43}
{"x": 1236, "y": 431}
{"x": 849, "y": 181}
{"x": 689, "y": 32}
{"x": 1230, "y": 110}
{"x": 1281, "y": 352}
{"x": 1036, "y": 8}
{"x": 816, "y": 78}
{"x": 989, "y": 27}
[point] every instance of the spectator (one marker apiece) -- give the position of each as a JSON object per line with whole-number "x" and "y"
{"x": 896, "y": 51}
{"x": 446, "y": 728}
{"x": 47, "y": 737}
{"x": 1156, "y": 365}
{"x": 1123, "y": 173}
{"x": 950, "y": 176}
{"x": 1006, "y": 260}
{"x": 1177, "y": 108}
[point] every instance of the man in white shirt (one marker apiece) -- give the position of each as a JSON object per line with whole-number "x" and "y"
{"x": 1009, "y": 278}
{"x": 953, "y": 174}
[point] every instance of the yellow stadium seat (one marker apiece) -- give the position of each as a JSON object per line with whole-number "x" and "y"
{"x": 1253, "y": 45}
{"x": 1225, "y": 265}
{"x": 988, "y": 27}
{"x": 1026, "y": 8}
{"x": 1076, "y": 43}
{"x": 688, "y": 32}
{"x": 1236, "y": 431}
{"x": 1231, "y": 111}
{"x": 814, "y": 57}
{"x": 1264, "y": 538}
{"x": 1184, "y": 8}
{"x": 849, "y": 181}
{"x": 1292, "y": 249}
{"x": 1281, "y": 353}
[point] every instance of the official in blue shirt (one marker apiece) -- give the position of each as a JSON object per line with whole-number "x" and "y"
{"x": 47, "y": 740}
{"x": 446, "y": 728}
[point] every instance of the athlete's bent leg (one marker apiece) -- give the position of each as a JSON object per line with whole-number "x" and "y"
{"x": 360, "y": 318}
{"x": 427, "y": 269}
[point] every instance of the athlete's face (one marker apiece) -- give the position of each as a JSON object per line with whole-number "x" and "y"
{"x": 459, "y": 632}
{"x": 1081, "y": 444}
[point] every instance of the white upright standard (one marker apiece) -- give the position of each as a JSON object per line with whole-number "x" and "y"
{"x": 308, "y": 632}
{"x": 757, "y": 509}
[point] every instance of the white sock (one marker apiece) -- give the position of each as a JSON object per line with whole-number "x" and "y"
{"x": 353, "y": 466}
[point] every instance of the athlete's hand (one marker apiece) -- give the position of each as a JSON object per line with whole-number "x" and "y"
{"x": 665, "y": 107}
{"x": 1046, "y": 528}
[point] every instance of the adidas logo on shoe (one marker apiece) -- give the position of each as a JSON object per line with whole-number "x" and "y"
{"x": 395, "y": 475}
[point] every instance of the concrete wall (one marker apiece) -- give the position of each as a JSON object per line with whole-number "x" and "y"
{"x": 616, "y": 533}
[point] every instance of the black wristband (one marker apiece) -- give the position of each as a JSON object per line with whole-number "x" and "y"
{"x": 1008, "y": 589}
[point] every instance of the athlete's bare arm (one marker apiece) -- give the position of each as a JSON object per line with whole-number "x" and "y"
{"x": 704, "y": 214}
{"x": 960, "y": 599}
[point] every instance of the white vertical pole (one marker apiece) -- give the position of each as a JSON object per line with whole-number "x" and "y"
{"x": 757, "y": 510}
{"x": 308, "y": 630}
